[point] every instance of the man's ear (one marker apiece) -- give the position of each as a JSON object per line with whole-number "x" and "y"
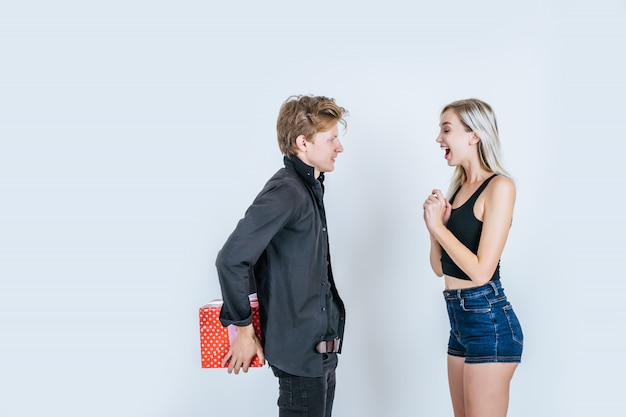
{"x": 301, "y": 143}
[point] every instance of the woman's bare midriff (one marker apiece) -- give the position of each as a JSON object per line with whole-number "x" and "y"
{"x": 453, "y": 283}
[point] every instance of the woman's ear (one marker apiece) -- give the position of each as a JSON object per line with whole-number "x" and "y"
{"x": 474, "y": 139}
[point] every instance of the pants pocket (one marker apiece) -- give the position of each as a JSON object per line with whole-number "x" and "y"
{"x": 476, "y": 304}
{"x": 514, "y": 324}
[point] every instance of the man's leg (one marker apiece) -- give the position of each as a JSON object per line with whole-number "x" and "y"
{"x": 311, "y": 397}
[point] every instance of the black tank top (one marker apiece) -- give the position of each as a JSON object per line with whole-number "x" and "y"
{"x": 467, "y": 228}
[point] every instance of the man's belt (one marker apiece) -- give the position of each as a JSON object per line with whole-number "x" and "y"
{"x": 328, "y": 346}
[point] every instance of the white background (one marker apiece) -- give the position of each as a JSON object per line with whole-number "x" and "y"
{"x": 135, "y": 133}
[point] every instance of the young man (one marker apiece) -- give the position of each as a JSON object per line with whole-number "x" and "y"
{"x": 280, "y": 251}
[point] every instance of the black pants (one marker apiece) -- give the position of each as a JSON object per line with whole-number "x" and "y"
{"x": 301, "y": 396}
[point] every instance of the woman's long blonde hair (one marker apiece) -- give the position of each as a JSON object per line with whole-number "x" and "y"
{"x": 478, "y": 117}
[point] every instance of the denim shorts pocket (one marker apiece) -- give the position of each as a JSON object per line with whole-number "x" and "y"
{"x": 476, "y": 304}
{"x": 496, "y": 299}
{"x": 514, "y": 324}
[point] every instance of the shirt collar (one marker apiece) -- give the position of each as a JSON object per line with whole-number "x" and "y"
{"x": 307, "y": 172}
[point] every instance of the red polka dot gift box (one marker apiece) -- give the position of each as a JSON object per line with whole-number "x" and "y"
{"x": 215, "y": 339}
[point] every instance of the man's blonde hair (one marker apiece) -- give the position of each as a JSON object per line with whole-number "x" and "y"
{"x": 306, "y": 115}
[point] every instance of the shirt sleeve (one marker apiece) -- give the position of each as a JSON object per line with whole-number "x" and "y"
{"x": 267, "y": 215}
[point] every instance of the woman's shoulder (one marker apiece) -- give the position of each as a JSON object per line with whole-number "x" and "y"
{"x": 503, "y": 181}
{"x": 501, "y": 186}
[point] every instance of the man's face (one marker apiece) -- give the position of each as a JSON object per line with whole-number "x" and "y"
{"x": 320, "y": 152}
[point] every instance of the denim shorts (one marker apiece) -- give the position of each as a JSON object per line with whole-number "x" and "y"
{"x": 483, "y": 325}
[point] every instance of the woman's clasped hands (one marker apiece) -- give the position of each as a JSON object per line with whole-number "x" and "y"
{"x": 437, "y": 210}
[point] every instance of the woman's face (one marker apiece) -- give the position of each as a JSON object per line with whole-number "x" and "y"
{"x": 454, "y": 139}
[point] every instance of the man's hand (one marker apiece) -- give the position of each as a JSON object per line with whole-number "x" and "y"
{"x": 244, "y": 347}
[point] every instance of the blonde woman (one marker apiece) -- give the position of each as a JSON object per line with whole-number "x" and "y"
{"x": 468, "y": 230}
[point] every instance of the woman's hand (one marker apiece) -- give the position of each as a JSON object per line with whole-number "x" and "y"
{"x": 436, "y": 211}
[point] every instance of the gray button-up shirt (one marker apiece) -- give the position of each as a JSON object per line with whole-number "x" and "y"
{"x": 281, "y": 248}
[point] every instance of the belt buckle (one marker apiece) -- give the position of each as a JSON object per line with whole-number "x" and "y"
{"x": 328, "y": 346}
{"x": 336, "y": 344}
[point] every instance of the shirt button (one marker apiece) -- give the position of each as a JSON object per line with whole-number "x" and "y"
{"x": 323, "y": 308}
{"x": 323, "y": 283}
{"x": 323, "y": 229}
